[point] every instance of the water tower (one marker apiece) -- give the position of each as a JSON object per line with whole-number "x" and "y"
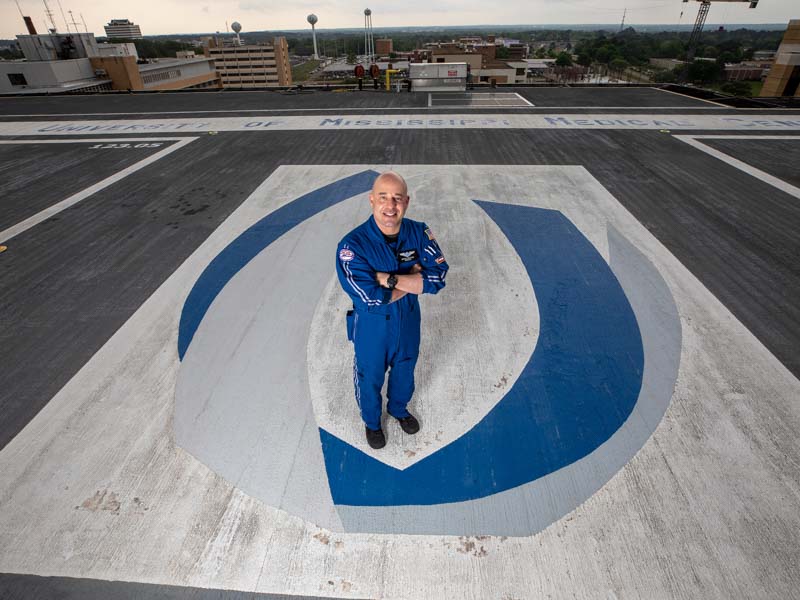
{"x": 369, "y": 42}
{"x": 312, "y": 18}
{"x": 237, "y": 27}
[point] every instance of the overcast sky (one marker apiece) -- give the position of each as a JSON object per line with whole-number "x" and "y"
{"x": 196, "y": 16}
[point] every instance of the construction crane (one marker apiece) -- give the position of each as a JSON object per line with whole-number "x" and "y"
{"x": 702, "y": 13}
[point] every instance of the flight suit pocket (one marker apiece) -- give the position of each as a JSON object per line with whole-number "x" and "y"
{"x": 351, "y": 318}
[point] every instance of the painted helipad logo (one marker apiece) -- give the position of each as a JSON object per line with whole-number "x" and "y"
{"x": 244, "y": 407}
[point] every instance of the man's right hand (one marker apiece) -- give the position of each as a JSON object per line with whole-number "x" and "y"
{"x": 382, "y": 278}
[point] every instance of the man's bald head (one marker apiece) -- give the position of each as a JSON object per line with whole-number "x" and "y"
{"x": 389, "y": 201}
{"x": 388, "y": 177}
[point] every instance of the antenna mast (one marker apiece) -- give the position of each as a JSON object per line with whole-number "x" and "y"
{"x": 63, "y": 16}
{"x": 622, "y": 25}
{"x": 74, "y": 24}
{"x": 49, "y": 14}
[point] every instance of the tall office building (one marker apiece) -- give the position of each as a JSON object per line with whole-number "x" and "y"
{"x": 123, "y": 28}
{"x": 784, "y": 76}
{"x": 252, "y": 66}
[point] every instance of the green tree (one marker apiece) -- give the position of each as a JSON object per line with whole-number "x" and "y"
{"x": 669, "y": 49}
{"x": 501, "y": 52}
{"x": 540, "y": 52}
{"x": 584, "y": 60}
{"x": 155, "y": 48}
{"x": 737, "y": 88}
{"x": 704, "y": 71}
{"x": 563, "y": 60}
{"x": 603, "y": 54}
{"x": 618, "y": 65}
{"x": 665, "y": 76}
{"x": 11, "y": 54}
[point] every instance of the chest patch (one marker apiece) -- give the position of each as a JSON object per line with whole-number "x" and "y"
{"x": 407, "y": 255}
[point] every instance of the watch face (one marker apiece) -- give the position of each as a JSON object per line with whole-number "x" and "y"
{"x": 392, "y": 280}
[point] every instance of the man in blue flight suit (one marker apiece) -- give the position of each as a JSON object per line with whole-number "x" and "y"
{"x": 383, "y": 265}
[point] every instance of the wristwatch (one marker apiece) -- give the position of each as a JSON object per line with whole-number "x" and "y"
{"x": 391, "y": 281}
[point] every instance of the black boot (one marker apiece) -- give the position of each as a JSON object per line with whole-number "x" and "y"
{"x": 409, "y": 424}
{"x": 375, "y": 439}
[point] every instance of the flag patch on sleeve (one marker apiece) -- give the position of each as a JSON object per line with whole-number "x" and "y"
{"x": 440, "y": 260}
{"x": 429, "y": 233}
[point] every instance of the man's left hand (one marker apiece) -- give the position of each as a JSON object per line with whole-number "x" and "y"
{"x": 382, "y": 278}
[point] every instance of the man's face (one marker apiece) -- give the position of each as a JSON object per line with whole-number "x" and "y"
{"x": 389, "y": 201}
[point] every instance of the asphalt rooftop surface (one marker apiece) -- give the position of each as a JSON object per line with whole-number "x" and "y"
{"x": 245, "y": 102}
{"x": 68, "y": 283}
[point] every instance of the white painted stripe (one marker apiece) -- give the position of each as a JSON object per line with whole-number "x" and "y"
{"x": 267, "y": 111}
{"x": 740, "y": 137}
{"x": 743, "y": 166}
{"x": 469, "y": 100}
{"x": 525, "y": 100}
{"x": 622, "y": 121}
{"x": 690, "y": 97}
{"x": 48, "y": 212}
{"x": 96, "y": 140}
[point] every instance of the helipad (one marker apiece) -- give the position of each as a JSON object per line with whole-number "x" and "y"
{"x": 607, "y": 385}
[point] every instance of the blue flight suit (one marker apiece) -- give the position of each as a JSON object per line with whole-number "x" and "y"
{"x": 386, "y": 334}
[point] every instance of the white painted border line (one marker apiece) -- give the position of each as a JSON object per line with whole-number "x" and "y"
{"x": 474, "y": 101}
{"x": 48, "y": 212}
{"x": 713, "y": 136}
{"x": 691, "y": 97}
{"x": 464, "y": 120}
{"x": 525, "y": 100}
{"x": 743, "y": 166}
{"x": 266, "y": 111}
{"x": 97, "y": 141}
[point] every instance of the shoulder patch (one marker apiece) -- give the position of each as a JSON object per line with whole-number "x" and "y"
{"x": 429, "y": 233}
{"x": 346, "y": 255}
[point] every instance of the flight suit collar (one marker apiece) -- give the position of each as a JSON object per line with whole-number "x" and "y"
{"x": 378, "y": 234}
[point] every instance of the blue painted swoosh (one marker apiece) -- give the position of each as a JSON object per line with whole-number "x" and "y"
{"x": 578, "y": 388}
{"x": 245, "y": 247}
